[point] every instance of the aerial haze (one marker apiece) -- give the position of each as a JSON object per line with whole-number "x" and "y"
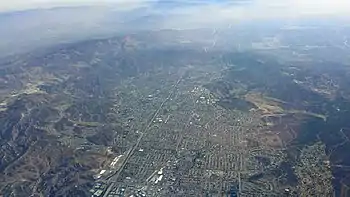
{"x": 42, "y": 22}
{"x": 174, "y": 98}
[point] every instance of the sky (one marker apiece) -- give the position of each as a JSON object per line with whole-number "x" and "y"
{"x": 250, "y": 8}
{"x": 86, "y": 18}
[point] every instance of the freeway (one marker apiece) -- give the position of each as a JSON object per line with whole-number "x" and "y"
{"x": 131, "y": 151}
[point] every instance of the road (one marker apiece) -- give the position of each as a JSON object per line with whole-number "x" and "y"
{"x": 131, "y": 151}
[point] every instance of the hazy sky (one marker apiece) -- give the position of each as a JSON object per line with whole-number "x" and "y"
{"x": 14, "y": 5}
{"x": 255, "y": 8}
{"x": 50, "y": 26}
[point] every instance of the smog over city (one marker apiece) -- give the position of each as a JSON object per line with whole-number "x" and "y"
{"x": 137, "y": 98}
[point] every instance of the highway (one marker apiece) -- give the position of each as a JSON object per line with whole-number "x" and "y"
{"x": 131, "y": 151}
